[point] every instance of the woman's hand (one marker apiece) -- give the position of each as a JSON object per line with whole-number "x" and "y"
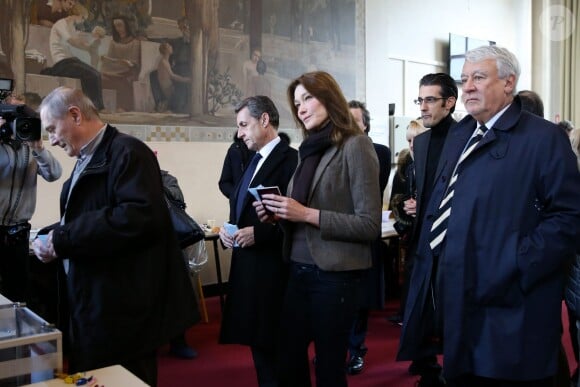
{"x": 262, "y": 214}
{"x": 289, "y": 209}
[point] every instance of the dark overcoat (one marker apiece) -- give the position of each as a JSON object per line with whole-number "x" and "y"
{"x": 235, "y": 163}
{"x": 514, "y": 222}
{"x": 128, "y": 289}
{"x": 258, "y": 275}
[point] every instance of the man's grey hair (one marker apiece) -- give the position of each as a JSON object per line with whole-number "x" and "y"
{"x": 58, "y": 101}
{"x": 507, "y": 63}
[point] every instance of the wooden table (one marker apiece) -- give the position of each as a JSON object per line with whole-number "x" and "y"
{"x": 108, "y": 376}
{"x": 214, "y": 238}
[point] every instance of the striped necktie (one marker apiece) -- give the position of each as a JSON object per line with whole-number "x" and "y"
{"x": 439, "y": 227}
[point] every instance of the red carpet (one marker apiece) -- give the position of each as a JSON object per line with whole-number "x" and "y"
{"x": 231, "y": 365}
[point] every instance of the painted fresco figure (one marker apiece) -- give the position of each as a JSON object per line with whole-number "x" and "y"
{"x": 63, "y": 36}
{"x": 122, "y": 64}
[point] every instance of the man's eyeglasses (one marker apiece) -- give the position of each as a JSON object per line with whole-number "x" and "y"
{"x": 427, "y": 100}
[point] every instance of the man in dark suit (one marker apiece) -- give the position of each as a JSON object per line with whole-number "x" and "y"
{"x": 503, "y": 218}
{"x": 374, "y": 294}
{"x": 437, "y": 98}
{"x": 258, "y": 275}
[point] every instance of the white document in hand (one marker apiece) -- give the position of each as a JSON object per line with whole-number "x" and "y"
{"x": 231, "y": 230}
{"x": 254, "y": 192}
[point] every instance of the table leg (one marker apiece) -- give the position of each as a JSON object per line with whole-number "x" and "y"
{"x": 218, "y": 272}
{"x": 203, "y": 307}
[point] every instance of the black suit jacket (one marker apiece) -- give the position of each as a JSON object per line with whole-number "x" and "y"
{"x": 235, "y": 163}
{"x": 258, "y": 275}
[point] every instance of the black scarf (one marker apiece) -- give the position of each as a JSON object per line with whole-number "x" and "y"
{"x": 311, "y": 151}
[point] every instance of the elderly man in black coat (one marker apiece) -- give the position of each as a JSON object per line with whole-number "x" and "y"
{"x": 125, "y": 288}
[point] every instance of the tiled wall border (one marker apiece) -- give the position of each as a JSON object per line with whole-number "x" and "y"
{"x": 162, "y": 133}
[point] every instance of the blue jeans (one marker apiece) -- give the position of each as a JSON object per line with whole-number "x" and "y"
{"x": 319, "y": 307}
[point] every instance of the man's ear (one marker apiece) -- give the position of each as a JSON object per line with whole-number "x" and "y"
{"x": 510, "y": 84}
{"x": 75, "y": 113}
{"x": 450, "y": 102}
{"x": 265, "y": 119}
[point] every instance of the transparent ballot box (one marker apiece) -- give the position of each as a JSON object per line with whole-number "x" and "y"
{"x": 30, "y": 348}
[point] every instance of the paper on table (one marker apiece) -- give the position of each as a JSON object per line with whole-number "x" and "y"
{"x": 386, "y": 216}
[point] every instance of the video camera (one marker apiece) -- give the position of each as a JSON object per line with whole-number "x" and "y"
{"x": 21, "y": 120}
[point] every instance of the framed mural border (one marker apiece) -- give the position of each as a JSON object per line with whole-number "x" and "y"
{"x": 218, "y": 127}
{"x": 180, "y": 133}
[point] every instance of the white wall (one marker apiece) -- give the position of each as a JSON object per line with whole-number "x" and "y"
{"x": 407, "y": 40}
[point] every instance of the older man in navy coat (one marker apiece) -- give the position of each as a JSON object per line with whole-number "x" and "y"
{"x": 489, "y": 288}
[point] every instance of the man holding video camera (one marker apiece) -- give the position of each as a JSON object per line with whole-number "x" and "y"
{"x": 22, "y": 158}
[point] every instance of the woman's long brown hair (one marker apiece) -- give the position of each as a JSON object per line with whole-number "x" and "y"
{"x": 326, "y": 90}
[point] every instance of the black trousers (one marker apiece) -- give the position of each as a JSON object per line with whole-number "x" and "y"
{"x": 358, "y": 334}
{"x": 265, "y": 365}
{"x": 144, "y": 367}
{"x": 15, "y": 264}
{"x": 90, "y": 77}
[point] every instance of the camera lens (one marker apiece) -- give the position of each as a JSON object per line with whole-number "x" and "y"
{"x": 27, "y": 129}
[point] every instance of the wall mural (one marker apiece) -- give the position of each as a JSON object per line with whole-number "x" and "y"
{"x": 179, "y": 62}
